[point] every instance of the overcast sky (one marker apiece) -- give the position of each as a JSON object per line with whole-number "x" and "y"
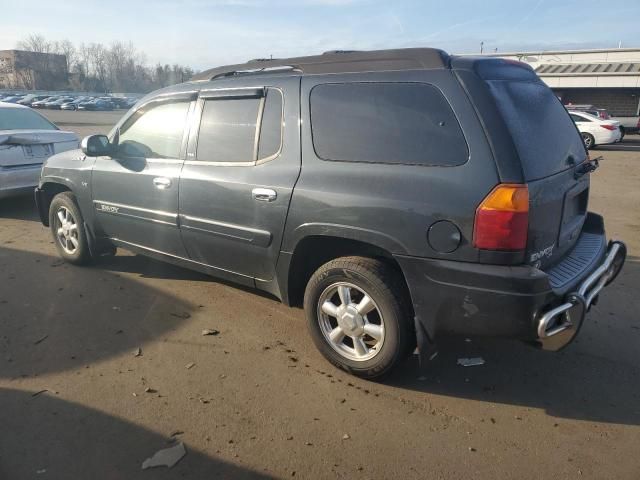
{"x": 205, "y": 33}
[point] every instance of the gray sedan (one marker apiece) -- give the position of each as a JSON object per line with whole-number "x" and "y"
{"x": 27, "y": 139}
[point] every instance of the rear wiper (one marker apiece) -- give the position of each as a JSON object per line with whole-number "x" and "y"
{"x": 586, "y": 167}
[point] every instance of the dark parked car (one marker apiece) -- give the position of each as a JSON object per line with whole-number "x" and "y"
{"x": 120, "y": 102}
{"x": 29, "y": 99}
{"x": 12, "y": 99}
{"x": 96, "y": 104}
{"x": 397, "y": 195}
{"x": 57, "y": 104}
{"x": 42, "y": 103}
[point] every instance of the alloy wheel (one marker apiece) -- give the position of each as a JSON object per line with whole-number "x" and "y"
{"x": 351, "y": 321}
{"x": 67, "y": 231}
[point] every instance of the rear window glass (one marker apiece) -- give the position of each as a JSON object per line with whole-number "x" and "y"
{"x": 23, "y": 119}
{"x": 228, "y": 130}
{"x": 396, "y": 123}
{"x": 541, "y": 128}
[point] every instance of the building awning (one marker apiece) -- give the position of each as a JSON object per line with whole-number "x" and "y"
{"x": 587, "y": 69}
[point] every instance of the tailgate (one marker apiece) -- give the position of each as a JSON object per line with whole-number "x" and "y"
{"x": 549, "y": 151}
{"x": 557, "y": 211}
{"x": 19, "y": 148}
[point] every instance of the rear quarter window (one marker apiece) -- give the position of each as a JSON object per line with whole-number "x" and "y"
{"x": 394, "y": 123}
{"x": 541, "y": 128}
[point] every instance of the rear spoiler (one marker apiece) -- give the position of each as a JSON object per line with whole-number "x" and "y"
{"x": 493, "y": 68}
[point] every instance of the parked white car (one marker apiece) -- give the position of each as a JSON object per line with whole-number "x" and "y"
{"x": 27, "y": 139}
{"x": 594, "y": 130}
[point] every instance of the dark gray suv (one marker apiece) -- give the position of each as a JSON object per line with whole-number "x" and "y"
{"x": 396, "y": 194}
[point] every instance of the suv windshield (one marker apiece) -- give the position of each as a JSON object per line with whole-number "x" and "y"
{"x": 542, "y": 130}
{"x": 23, "y": 119}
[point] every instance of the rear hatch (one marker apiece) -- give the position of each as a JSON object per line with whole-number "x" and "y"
{"x": 550, "y": 152}
{"x": 20, "y": 148}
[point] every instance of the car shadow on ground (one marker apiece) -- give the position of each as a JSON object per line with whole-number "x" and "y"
{"x": 594, "y": 379}
{"x": 45, "y": 436}
{"x": 55, "y": 316}
{"x": 22, "y": 207}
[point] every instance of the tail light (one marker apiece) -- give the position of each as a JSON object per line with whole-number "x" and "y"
{"x": 609, "y": 127}
{"x": 502, "y": 219}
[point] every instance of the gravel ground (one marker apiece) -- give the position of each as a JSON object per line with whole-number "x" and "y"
{"x": 257, "y": 400}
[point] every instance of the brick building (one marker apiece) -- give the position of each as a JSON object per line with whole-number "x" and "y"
{"x": 606, "y": 78}
{"x": 32, "y": 71}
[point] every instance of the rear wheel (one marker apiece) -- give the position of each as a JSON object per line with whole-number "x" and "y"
{"x": 588, "y": 140}
{"x": 622, "y": 132}
{"x": 67, "y": 228}
{"x": 357, "y": 316}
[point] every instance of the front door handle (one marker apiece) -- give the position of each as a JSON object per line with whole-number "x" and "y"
{"x": 162, "y": 183}
{"x": 264, "y": 194}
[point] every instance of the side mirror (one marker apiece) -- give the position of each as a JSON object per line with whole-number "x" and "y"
{"x": 96, "y": 145}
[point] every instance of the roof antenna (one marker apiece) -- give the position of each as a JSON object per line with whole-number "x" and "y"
{"x": 481, "y": 47}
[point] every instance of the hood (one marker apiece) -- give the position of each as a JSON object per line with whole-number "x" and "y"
{"x": 34, "y": 137}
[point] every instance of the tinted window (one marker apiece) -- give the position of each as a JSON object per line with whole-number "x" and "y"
{"x": 155, "y": 131}
{"x": 407, "y": 123}
{"x": 540, "y": 126}
{"x": 271, "y": 125}
{"x": 23, "y": 119}
{"x": 577, "y": 118}
{"x": 228, "y": 130}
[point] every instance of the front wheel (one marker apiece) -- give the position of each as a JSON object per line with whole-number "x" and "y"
{"x": 67, "y": 228}
{"x": 589, "y": 141}
{"x": 357, "y": 314}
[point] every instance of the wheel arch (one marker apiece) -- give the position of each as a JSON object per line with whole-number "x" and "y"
{"x": 46, "y": 193}
{"x": 313, "y": 251}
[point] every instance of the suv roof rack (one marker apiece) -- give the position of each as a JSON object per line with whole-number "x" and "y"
{"x": 339, "y": 61}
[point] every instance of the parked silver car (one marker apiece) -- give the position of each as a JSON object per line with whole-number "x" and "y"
{"x": 27, "y": 139}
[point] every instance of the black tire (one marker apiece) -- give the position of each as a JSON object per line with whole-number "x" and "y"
{"x": 622, "y": 133}
{"x": 74, "y": 251}
{"x": 387, "y": 290}
{"x": 589, "y": 141}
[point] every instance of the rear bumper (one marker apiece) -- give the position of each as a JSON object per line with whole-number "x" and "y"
{"x": 476, "y": 299}
{"x": 18, "y": 180}
{"x": 41, "y": 204}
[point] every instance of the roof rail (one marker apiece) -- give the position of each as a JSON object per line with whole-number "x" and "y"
{"x": 339, "y": 61}
{"x": 253, "y": 71}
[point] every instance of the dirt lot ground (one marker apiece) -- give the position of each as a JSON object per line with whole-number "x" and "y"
{"x": 260, "y": 401}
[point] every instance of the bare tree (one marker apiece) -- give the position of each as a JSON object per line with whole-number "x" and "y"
{"x": 119, "y": 67}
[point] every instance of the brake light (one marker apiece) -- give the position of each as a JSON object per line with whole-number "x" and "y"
{"x": 609, "y": 127}
{"x": 502, "y": 219}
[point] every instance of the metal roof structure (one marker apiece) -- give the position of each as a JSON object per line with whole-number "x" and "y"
{"x": 339, "y": 62}
{"x": 584, "y": 69}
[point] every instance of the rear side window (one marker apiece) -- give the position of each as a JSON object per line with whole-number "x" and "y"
{"x": 240, "y": 130}
{"x": 396, "y": 123}
{"x": 540, "y": 126}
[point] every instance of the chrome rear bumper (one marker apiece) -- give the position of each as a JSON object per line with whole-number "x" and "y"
{"x": 568, "y": 317}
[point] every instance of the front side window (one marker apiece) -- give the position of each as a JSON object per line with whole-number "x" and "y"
{"x": 240, "y": 130}
{"x": 155, "y": 131}
{"x": 396, "y": 123}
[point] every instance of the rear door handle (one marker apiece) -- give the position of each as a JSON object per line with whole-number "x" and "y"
{"x": 162, "y": 183}
{"x": 264, "y": 194}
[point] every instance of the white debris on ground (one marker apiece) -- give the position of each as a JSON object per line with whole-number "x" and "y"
{"x": 471, "y": 362}
{"x": 167, "y": 457}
